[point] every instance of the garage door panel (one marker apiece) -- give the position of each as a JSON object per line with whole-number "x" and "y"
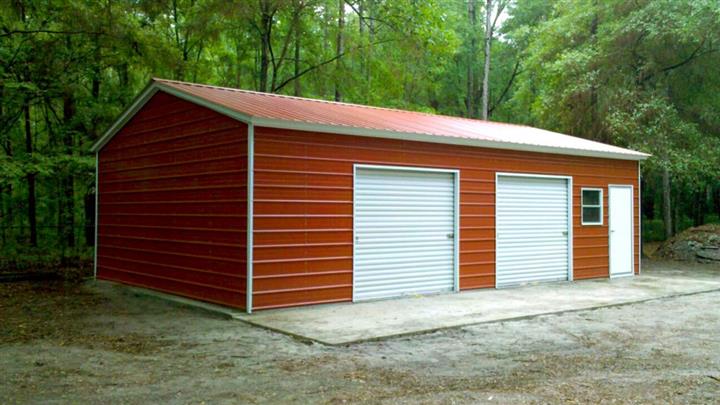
{"x": 404, "y": 225}
{"x": 532, "y": 230}
{"x": 392, "y": 242}
{"x": 397, "y": 260}
{"x": 391, "y": 269}
{"x": 426, "y": 249}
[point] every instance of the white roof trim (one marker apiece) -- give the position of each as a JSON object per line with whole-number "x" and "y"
{"x": 154, "y": 87}
{"x": 448, "y": 140}
{"x": 145, "y": 96}
{"x": 130, "y": 112}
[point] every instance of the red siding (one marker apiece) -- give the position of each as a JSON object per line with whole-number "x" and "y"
{"x": 172, "y": 199}
{"x": 303, "y": 208}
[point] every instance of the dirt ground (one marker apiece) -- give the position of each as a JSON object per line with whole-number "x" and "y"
{"x": 83, "y": 343}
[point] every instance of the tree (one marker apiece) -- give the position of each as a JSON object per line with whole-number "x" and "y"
{"x": 339, "y": 48}
{"x": 490, "y": 24}
{"x": 630, "y": 73}
{"x": 638, "y": 74}
{"x": 472, "y": 58}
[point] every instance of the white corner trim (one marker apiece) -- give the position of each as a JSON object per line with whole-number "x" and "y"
{"x": 571, "y": 234}
{"x": 456, "y": 218}
{"x": 354, "y": 231}
{"x": 582, "y": 205}
{"x": 249, "y": 220}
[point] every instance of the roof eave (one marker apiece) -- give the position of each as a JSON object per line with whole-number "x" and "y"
{"x": 420, "y": 137}
{"x": 153, "y": 87}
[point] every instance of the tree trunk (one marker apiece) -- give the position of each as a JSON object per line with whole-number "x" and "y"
{"x": 90, "y": 218}
{"x": 708, "y": 200}
{"x": 667, "y": 208}
{"x": 7, "y": 214}
{"x": 700, "y": 207}
{"x": 30, "y": 177}
{"x": 370, "y": 6}
{"x": 486, "y": 71}
{"x": 266, "y": 18}
{"x": 297, "y": 89}
{"x": 472, "y": 57}
{"x": 123, "y": 72}
{"x": 68, "y": 181}
{"x": 339, "y": 48}
{"x": 95, "y": 88}
{"x": 361, "y": 34}
{"x": 594, "y": 107}
{"x": 648, "y": 201}
{"x": 180, "y": 43}
{"x": 694, "y": 208}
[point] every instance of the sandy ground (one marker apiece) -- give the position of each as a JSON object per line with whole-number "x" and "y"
{"x": 70, "y": 343}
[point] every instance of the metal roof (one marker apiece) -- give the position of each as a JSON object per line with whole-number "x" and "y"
{"x": 280, "y": 111}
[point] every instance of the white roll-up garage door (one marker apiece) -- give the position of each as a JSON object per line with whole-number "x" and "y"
{"x": 532, "y": 230}
{"x": 404, "y": 232}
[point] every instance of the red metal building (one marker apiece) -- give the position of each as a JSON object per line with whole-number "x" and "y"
{"x": 350, "y": 202}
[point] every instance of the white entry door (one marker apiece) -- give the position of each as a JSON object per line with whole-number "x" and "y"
{"x": 532, "y": 229}
{"x": 404, "y": 232}
{"x": 621, "y": 230}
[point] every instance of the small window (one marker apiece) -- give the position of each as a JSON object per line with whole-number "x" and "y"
{"x": 592, "y": 206}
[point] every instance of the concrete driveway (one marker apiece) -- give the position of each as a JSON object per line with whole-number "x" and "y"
{"x": 337, "y": 324}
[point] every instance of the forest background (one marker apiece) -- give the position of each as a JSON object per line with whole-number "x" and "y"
{"x": 643, "y": 74}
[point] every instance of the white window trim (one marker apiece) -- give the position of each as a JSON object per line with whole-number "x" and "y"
{"x": 582, "y": 205}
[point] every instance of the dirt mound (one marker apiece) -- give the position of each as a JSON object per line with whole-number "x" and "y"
{"x": 700, "y": 244}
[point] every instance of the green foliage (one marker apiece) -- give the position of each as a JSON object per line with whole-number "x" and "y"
{"x": 653, "y": 230}
{"x": 636, "y": 74}
{"x": 640, "y": 74}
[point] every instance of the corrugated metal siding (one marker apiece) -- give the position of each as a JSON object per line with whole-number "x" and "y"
{"x": 532, "y": 230}
{"x": 172, "y": 199}
{"x": 404, "y": 225}
{"x": 303, "y": 207}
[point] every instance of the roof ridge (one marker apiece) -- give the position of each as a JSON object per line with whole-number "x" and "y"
{"x": 260, "y": 93}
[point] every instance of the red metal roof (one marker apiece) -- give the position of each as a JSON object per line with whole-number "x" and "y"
{"x": 266, "y": 109}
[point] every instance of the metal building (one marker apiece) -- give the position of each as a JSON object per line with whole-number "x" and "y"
{"x": 349, "y": 202}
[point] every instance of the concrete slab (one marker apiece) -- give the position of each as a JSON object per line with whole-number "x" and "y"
{"x": 337, "y": 324}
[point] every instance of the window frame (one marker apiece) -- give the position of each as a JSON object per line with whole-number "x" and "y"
{"x": 583, "y": 206}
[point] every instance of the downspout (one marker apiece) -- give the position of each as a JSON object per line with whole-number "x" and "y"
{"x": 97, "y": 210}
{"x": 249, "y": 220}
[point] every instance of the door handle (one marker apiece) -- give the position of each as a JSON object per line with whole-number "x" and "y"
{"x": 451, "y": 236}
